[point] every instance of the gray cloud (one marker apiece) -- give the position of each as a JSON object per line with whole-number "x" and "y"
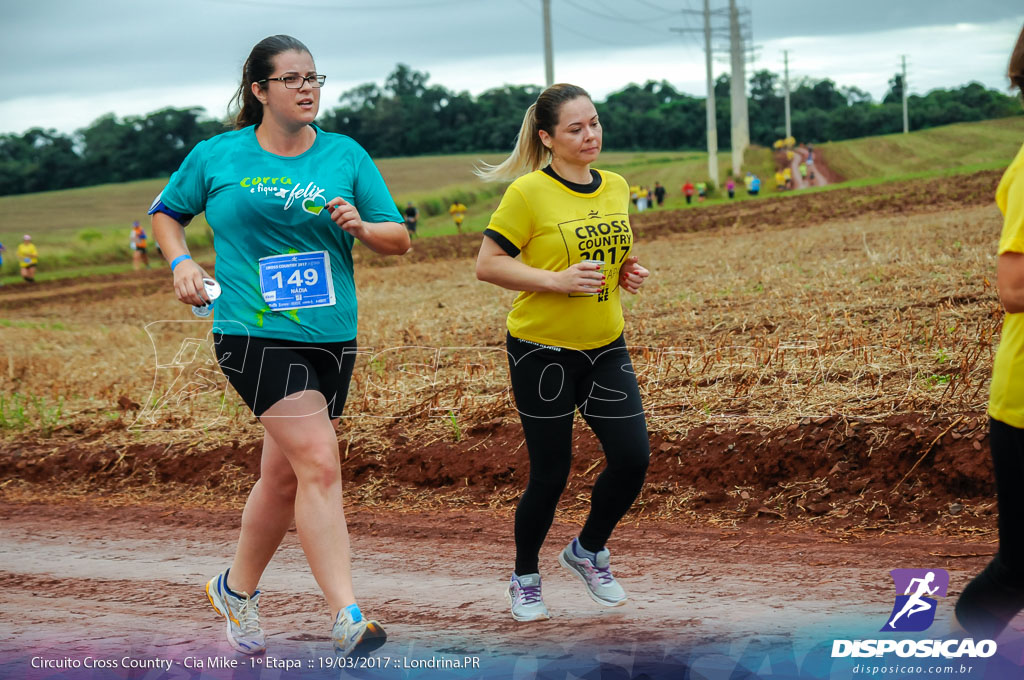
{"x": 93, "y": 48}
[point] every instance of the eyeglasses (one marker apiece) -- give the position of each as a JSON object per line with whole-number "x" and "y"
{"x": 295, "y": 82}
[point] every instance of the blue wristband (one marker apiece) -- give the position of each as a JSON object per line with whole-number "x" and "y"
{"x": 179, "y": 258}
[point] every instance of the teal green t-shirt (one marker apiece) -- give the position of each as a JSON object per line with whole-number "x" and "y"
{"x": 260, "y": 204}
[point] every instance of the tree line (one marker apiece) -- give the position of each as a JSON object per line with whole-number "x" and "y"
{"x": 409, "y": 116}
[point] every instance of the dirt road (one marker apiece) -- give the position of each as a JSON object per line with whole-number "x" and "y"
{"x": 800, "y": 155}
{"x": 82, "y": 581}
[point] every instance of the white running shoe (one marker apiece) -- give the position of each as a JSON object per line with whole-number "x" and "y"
{"x": 356, "y": 638}
{"x": 596, "y": 574}
{"x": 242, "y": 614}
{"x": 524, "y": 598}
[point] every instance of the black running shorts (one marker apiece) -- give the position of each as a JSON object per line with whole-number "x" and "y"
{"x": 265, "y": 370}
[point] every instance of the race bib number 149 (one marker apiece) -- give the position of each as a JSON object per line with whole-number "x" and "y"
{"x": 297, "y": 281}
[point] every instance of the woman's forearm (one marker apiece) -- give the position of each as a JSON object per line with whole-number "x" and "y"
{"x": 510, "y": 273}
{"x": 385, "y": 238}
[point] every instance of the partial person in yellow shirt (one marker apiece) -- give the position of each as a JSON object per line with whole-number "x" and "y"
{"x": 458, "y": 213}
{"x": 28, "y": 258}
{"x": 996, "y": 595}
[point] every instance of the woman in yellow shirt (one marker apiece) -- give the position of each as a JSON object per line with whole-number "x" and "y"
{"x": 28, "y": 257}
{"x": 458, "y": 213}
{"x": 570, "y": 225}
{"x": 996, "y": 595}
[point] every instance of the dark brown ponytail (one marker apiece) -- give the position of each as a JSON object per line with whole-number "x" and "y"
{"x": 258, "y": 66}
{"x": 1016, "y": 69}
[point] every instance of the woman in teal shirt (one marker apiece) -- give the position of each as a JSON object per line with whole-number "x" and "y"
{"x": 286, "y": 201}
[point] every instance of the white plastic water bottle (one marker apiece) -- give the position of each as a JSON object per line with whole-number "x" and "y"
{"x": 212, "y": 292}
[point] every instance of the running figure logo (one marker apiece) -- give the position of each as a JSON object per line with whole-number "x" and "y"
{"x": 914, "y": 610}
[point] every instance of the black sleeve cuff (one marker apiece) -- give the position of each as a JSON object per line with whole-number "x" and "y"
{"x": 505, "y": 244}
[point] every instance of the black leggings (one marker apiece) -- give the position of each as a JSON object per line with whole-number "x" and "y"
{"x": 549, "y": 385}
{"x": 995, "y": 595}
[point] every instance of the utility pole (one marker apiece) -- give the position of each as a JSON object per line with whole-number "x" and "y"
{"x": 710, "y": 103}
{"x": 906, "y": 119}
{"x": 549, "y": 59}
{"x": 712, "y": 120}
{"x": 785, "y": 61}
{"x": 738, "y": 91}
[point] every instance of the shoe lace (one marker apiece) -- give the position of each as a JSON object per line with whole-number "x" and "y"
{"x": 249, "y": 615}
{"x": 529, "y": 594}
{"x": 604, "y": 574}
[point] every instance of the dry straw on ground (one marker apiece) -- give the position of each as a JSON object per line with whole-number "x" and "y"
{"x": 737, "y": 329}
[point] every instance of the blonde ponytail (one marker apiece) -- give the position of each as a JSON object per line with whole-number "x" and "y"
{"x": 530, "y": 153}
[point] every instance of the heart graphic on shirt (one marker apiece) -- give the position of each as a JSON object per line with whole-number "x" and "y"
{"x": 312, "y": 207}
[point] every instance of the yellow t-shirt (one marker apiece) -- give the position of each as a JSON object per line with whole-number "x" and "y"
{"x": 1006, "y": 394}
{"x": 27, "y": 254}
{"x": 554, "y": 228}
{"x": 458, "y": 211}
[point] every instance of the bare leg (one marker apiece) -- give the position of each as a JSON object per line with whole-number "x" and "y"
{"x": 305, "y": 436}
{"x": 268, "y": 515}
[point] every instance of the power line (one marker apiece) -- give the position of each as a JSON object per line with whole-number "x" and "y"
{"x": 579, "y": 34}
{"x": 353, "y": 7}
{"x": 656, "y": 6}
{"x": 619, "y": 17}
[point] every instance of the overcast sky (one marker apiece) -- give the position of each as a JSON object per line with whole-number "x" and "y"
{"x": 74, "y": 60}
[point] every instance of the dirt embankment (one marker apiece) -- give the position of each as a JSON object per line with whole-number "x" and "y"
{"x": 831, "y": 471}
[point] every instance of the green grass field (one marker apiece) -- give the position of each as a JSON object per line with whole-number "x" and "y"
{"x": 80, "y": 230}
{"x": 76, "y": 229}
{"x": 973, "y": 146}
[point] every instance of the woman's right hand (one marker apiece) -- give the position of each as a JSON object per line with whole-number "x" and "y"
{"x": 188, "y": 283}
{"x": 582, "y": 277}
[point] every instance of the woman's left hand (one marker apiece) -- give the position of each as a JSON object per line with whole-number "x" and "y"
{"x": 347, "y": 217}
{"x": 632, "y": 275}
